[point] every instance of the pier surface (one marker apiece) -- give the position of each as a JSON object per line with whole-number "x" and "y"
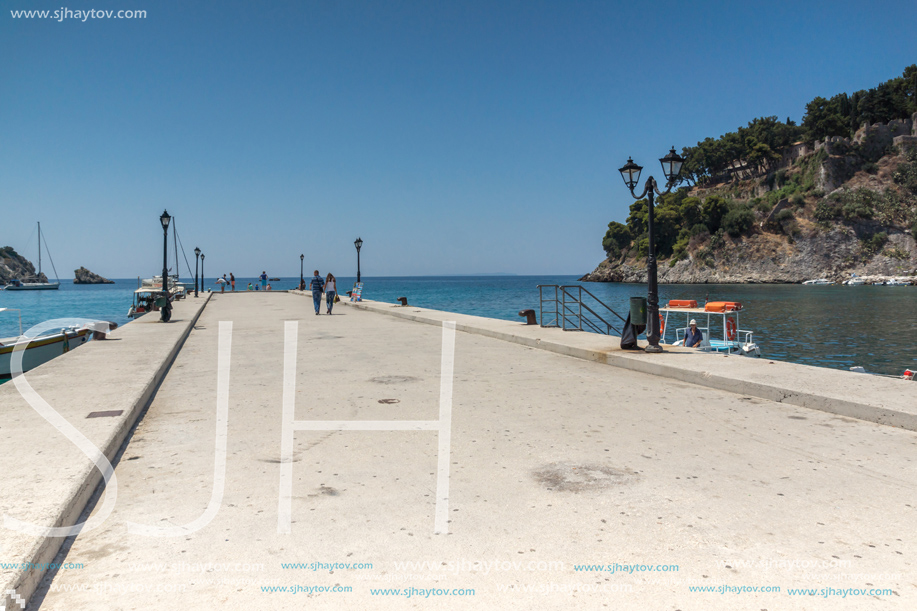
{"x": 556, "y": 461}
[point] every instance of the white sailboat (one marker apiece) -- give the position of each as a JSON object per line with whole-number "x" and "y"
{"x": 19, "y": 285}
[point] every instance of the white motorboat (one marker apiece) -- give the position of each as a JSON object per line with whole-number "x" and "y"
{"x": 855, "y": 281}
{"x": 711, "y": 318}
{"x": 40, "y": 349}
{"x": 817, "y": 282}
{"x": 175, "y": 285}
{"x": 37, "y": 285}
{"x": 896, "y": 282}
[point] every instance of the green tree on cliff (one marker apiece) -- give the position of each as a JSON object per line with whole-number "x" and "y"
{"x": 617, "y": 239}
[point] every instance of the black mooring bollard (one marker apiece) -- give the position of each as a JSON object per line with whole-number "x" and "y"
{"x": 529, "y": 316}
{"x": 403, "y": 300}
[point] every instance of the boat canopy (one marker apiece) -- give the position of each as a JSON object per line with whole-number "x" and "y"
{"x": 694, "y": 311}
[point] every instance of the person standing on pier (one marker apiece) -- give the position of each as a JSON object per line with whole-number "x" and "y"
{"x": 330, "y": 290}
{"x": 232, "y": 281}
{"x": 263, "y": 280}
{"x": 317, "y": 284}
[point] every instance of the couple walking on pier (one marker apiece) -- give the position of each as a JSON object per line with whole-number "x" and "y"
{"x": 329, "y": 285}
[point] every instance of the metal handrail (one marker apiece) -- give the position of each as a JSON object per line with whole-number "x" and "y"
{"x": 568, "y": 313}
{"x": 555, "y": 322}
{"x": 578, "y": 300}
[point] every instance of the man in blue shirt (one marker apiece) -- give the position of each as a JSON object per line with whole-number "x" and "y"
{"x": 264, "y": 281}
{"x": 317, "y": 284}
{"x": 693, "y": 337}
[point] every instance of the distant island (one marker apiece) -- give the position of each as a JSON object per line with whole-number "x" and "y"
{"x": 777, "y": 202}
{"x": 84, "y": 276}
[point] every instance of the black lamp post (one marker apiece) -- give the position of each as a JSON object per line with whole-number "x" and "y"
{"x": 359, "y": 244}
{"x": 164, "y": 314}
{"x": 302, "y": 279}
{"x": 197, "y": 255}
{"x": 671, "y": 167}
{"x": 202, "y": 272}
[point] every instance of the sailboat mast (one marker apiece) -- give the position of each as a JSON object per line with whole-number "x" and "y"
{"x": 39, "y": 251}
{"x": 175, "y": 240}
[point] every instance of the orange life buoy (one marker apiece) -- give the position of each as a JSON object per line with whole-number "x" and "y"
{"x": 661, "y": 326}
{"x": 730, "y": 329}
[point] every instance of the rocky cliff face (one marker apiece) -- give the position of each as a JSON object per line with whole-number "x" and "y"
{"x": 766, "y": 258}
{"x": 84, "y": 276}
{"x": 15, "y": 266}
{"x": 822, "y": 231}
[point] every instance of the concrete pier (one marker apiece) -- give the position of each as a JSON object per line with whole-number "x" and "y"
{"x": 672, "y": 472}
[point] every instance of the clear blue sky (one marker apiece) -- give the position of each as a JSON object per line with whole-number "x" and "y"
{"x": 453, "y": 137}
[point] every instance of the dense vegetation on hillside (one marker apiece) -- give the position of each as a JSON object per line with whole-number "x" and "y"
{"x": 685, "y": 223}
{"x": 755, "y": 149}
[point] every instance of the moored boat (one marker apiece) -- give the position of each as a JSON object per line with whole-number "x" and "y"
{"x": 713, "y": 317}
{"x": 41, "y": 349}
{"x": 17, "y": 284}
{"x": 817, "y": 282}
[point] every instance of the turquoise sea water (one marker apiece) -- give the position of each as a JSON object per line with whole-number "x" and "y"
{"x": 829, "y": 326}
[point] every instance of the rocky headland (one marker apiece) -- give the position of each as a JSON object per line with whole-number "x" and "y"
{"x": 15, "y": 266}
{"x": 827, "y": 209}
{"x": 84, "y": 276}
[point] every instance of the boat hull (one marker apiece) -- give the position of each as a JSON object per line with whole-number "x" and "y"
{"x": 34, "y": 286}
{"x": 41, "y": 350}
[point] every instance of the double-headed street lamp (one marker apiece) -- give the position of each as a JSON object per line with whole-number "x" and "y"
{"x": 197, "y": 256}
{"x": 671, "y": 167}
{"x": 302, "y": 279}
{"x": 359, "y": 244}
{"x": 164, "y": 313}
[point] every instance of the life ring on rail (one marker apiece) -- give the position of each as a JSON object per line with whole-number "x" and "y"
{"x": 661, "y": 326}
{"x": 730, "y": 329}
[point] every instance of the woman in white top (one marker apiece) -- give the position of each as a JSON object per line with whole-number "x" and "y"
{"x": 330, "y": 291}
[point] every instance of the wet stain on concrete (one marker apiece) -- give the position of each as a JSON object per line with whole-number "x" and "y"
{"x": 326, "y": 491}
{"x": 276, "y": 461}
{"x": 569, "y": 477}
{"x": 389, "y": 401}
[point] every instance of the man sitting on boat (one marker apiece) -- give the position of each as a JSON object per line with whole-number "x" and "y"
{"x": 694, "y": 336}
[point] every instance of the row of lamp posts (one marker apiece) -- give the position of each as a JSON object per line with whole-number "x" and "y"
{"x": 165, "y": 219}
{"x": 671, "y": 168}
{"x": 302, "y": 279}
